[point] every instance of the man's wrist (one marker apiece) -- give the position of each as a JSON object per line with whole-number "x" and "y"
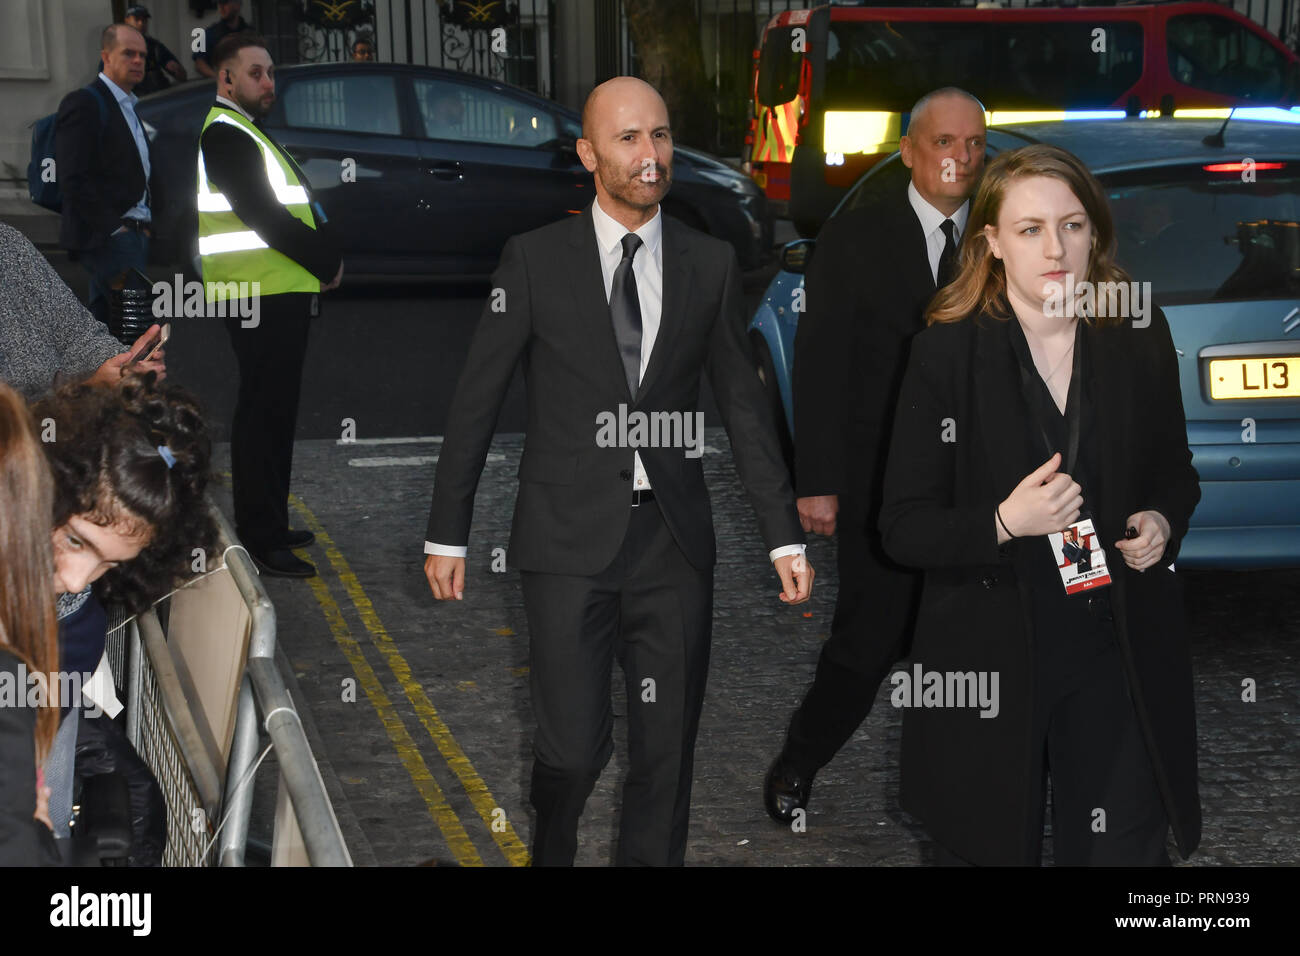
{"x": 787, "y": 549}
{"x": 446, "y": 550}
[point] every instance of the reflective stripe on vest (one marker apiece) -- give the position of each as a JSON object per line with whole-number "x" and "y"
{"x": 228, "y": 249}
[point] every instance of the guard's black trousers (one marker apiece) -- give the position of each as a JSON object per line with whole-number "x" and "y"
{"x": 270, "y": 356}
{"x": 875, "y": 611}
{"x": 652, "y": 610}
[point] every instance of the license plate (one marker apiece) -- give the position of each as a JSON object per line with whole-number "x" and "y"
{"x": 1255, "y": 377}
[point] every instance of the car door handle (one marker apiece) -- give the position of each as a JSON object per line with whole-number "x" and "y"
{"x": 446, "y": 171}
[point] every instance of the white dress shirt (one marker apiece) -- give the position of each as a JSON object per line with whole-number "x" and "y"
{"x": 126, "y": 101}
{"x": 932, "y": 224}
{"x": 648, "y": 270}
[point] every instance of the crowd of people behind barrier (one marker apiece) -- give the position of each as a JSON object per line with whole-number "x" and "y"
{"x": 103, "y": 478}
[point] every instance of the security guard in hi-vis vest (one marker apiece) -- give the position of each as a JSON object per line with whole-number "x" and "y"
{"x": 266, "y": 254}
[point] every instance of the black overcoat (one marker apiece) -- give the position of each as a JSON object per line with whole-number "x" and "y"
{"x": 967, "y": 777}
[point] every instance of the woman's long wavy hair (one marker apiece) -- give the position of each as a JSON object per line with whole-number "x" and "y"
{"x": 107, "y": 468}
{"x": 28, "y": 629}
{"x": 981, "y": 282}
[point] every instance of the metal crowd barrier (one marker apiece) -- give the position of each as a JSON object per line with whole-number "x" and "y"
{"x": 194, "y": 691}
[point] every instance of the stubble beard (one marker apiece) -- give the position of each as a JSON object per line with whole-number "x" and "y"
{"x": 629, "y": 191}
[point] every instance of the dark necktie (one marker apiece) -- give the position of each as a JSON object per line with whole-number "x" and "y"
{"x": 625, "y": 310}
{"x": 948, "y": 258}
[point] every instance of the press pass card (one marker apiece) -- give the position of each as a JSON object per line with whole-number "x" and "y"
{"x": 1080, "y": 558}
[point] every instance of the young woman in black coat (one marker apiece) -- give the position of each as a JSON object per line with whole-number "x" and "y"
{"x": 1028, "y": 406}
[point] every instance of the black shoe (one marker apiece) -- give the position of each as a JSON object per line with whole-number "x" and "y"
{"x": 297, "y": 539}
{"x": 282, "y": 563}
{"x": 785, "y": 790}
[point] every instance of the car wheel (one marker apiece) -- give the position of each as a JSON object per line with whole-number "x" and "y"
{"x": 766, "y": 370}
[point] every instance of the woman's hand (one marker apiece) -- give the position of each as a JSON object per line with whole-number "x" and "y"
{"x": 1145, "y": 550}
{"x": 1045, "y": 501}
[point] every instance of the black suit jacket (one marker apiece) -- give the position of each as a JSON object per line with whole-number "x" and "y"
{"x": 967, "y": 778}
{"x": 98, "y": 166}
{"x": 574, "y": 496}
{"x": 867, "y": 286}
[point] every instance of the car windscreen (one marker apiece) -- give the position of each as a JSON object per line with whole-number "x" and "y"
{"x": 889, "y": 65}
{"x": 1199, "y": 235}
{"x": 1214, "y": 53}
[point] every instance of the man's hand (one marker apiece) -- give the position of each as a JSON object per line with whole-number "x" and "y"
{"x": 111, "y": 372}
{"x": 796, "y": 578}
{"x": 1145, "y": 550}
{"x": 817, "y": 514}
{"x": 446, "y": 576}
{"x": 334, "y": 283}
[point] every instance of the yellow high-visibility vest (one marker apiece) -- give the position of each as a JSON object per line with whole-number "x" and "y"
{"x": 228, "y": 249}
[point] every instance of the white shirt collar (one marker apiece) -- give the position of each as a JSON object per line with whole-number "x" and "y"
{"x": 931, "y": 218}
{"x": 119, "y": 94}
{"x": 232, "y": 105}
{"x": 610, "y": 232}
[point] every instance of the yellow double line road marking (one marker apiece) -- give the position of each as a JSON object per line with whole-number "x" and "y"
{"x": 502, "y": 832}
{"x": 443, "y": 815}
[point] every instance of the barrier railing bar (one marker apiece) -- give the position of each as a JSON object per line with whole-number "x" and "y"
{"x": 320, "y": 828}
{"x": 321, "y": 834}
{"x": 239, "y": 802}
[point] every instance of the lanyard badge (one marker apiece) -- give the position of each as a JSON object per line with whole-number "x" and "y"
{"x": 1079, "y": 557}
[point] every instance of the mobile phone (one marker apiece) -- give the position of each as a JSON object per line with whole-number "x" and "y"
{"x": 152, "y": 344}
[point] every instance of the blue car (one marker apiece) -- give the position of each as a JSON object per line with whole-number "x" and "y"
{"x": 1215, "y": 229}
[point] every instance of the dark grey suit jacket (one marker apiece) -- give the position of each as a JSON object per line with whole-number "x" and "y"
{"x": 575, "y": 496}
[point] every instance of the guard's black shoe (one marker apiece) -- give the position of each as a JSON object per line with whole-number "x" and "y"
{"x": 297, "y": 539}
{"x": 282, "y": 563}
{"x": 785, "y": 790}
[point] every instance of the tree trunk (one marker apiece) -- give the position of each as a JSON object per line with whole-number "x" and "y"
{"x": 667, "y": 38}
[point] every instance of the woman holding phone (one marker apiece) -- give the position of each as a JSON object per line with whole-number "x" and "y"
{"x": 1027, "y": 418}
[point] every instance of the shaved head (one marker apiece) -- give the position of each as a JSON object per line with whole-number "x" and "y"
{"x": 608, "y": 94}
{"x": 628, "y": 145}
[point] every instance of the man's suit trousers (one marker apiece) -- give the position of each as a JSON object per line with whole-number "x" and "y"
{"x": 652, "y": 610}
{"x": 874, "y": 613}
{"x": 270, "y": 357}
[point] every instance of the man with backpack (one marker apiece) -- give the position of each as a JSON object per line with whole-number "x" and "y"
{"x": 103, "y": 167}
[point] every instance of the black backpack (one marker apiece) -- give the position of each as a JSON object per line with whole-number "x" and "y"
{"x": 42, "y": 175}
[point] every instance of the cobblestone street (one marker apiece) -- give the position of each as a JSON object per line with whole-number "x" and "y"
{"x": 422, "y": 710}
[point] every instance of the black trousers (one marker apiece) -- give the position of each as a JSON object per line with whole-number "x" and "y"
{"x": 874, "y": 614}
{"x": 652, "y": 610}
{"x": 1106, "y": 805}
{"x": 270, "y": 357}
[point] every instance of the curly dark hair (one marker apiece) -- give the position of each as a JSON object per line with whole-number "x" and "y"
{"x": 107, "y": 468}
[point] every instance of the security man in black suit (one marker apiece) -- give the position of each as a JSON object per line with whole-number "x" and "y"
{"x": 104, "y": 169}
{"x": 615, "y": 313}
{"x": 873, "y": 273}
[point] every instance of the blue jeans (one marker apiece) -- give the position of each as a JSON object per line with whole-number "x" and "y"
{"x": 108, "y": 263}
